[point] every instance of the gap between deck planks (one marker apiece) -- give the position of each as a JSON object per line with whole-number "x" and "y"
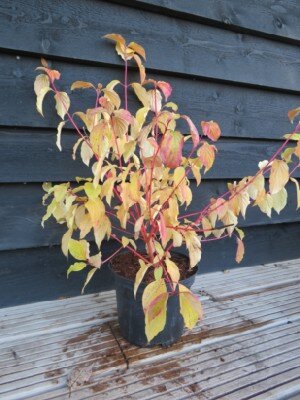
{"x": 247, "y": 346}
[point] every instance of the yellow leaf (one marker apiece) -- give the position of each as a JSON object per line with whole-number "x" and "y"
{"x": 137, "y": 227}
{"x": 256, "y": 186}
{"x": 88, "y": 278}
{"x": 40, "y": 98}
{"x": 298, "y": 191}
{"x": 172, "y": 105}
{"x": 78, "y": 266}
{"x": 62, "y": 103}
{"x": 79, "y": 249}
{"x": 279, "y": 200}
{"x": 154, "y": 302}
{"x": 58, "y": 137}
{"x": 91, "y": 191}
{"x": 75, "y": 147}
{"x": 173, "y": 272}
{"x": 265, "y": 202}
{"x": 240, "y": 250}
{"x": 193, "y": 245}
{"x": 190, "y": 307}
{"x": 179, "y": 175}
{"x": 140, "y": 275}
{"x": 142, "y": 95}
{"x": 103, "y": 229}
{"x": 207, "y": 228}
{"x": 279, "y": 176}
{"x": 96, "y": 210}
{"x": 81, "y": 85}
{"x": 50, "y": 209}
{"x": 41, "y": 82}
{"x": 96, "y": 260}
{"x": 65, "y": 241}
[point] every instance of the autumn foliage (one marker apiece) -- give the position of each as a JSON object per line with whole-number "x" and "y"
{"x": 139, "y": 186}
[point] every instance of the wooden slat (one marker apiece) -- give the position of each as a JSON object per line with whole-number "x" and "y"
{"x": 246, "y": 347}
{"x": 21, "y": 211}
{"x": 160, "y": 379}
{"x": 199, "y": 50}
{"x": 240, "y": 111}
{"x": 235, "y": 159}
{"x": 44, "y": 269}
{"x": 278, "y": 21}
{"x": 239, "y": 282}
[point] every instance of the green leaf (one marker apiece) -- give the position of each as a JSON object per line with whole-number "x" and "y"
{"x": 79, "y": 249}
{"x": 190, "y": 307}
{"x": 140, "y": 275}
{"x": 295, "y": 136}
{"x": 62, "y": 103}
{"x": 78, "y": 266}
{"x": 240, "y": 233}
{"x": 158, "y": 272}
{"x": 58, "y": 137}
{"x": 298, "y": 191}
{"x": 88, "y": 278}
{"x": 279, "y": 200}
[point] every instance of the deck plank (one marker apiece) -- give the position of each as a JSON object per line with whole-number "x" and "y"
{"x": 246, "y": 347}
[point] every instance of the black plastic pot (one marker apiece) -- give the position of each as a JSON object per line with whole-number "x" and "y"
{"x": 131, "y": 314}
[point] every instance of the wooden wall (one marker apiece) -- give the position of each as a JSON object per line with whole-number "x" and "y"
{"x": 231, "y": 61}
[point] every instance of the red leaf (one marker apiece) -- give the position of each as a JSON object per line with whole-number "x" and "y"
{"x": 194, "y": 130}
{"x": 165, "y": 87}
{"x": 171, "y": 149}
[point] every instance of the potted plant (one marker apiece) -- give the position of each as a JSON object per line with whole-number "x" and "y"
{"x": 141, "y": 165}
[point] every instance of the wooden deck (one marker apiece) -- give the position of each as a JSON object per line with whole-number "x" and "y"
{"x": 246, "y": 347}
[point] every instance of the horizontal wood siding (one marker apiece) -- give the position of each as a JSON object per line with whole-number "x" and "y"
{"x": 234, "y": 64}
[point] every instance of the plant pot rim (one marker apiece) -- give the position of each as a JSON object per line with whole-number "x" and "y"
{"x": 143, "y": 284}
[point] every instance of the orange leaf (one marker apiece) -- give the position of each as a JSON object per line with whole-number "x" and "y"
{"x": 137, "y": 48}
{"x": 211, "y": 129}
{"x": 141, "y": 68}
{"x": 293, "y": 113}
{"x": 240, "y": 250}
{"x": 115, "y": 37}
{"x": 206, "y": 154}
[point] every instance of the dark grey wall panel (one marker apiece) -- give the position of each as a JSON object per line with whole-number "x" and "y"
{"x": 235, "y": 158}
{"x": 40, "y": 274}
{"x": 234, "y": 63}
{"x": 278, "y": 20}
{"x": 21, "y": 212}
{"x": 74, "y": 29}
{"x": 240, "y": 111}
